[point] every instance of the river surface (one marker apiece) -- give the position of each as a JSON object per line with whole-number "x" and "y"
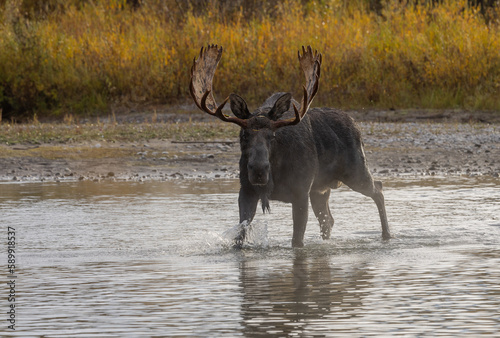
{"x": 154, "y": 259}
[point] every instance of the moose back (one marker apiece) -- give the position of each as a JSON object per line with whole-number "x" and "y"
{"x": 288, "y": 153}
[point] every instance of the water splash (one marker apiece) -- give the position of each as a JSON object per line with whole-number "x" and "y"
{"x": 256, "y": 234}
{"x": 230, "y": 234}
{"x": 209, "y": 242}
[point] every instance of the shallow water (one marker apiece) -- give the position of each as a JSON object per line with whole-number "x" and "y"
{"x": 154, "y": 259}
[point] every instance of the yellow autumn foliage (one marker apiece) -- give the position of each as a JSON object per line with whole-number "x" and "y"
{"x": 85, "y": 58}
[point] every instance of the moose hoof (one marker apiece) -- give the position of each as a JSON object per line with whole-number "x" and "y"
{"x": 238, "y": 244}
{"x": 326, "y": 234}
{"x": 386, "y": 236}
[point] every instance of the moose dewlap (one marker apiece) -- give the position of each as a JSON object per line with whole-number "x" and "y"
{"x": 289, "y": 152}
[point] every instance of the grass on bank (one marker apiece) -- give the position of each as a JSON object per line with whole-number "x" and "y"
{"x": 87, "y": 57}
{"x": 64, "y": 152}
{"x": 60, "y": 133}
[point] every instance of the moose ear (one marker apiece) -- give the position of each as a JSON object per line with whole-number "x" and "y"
{"x": 281, "y": 106}
{"x": 239, "y": 107}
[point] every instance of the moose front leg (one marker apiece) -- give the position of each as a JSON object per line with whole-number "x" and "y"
{"x": 247, "y": 203}
{"x": 300, "y": 214}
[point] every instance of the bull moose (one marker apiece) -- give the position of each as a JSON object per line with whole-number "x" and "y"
{"x": 288, "y": 155}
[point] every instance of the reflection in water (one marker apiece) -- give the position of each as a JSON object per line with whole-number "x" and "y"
{"x": 129, "y": 259}
{"x": 417, "y": 293}
{"x": 302, "y": 298}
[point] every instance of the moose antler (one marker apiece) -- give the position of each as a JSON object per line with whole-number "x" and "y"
{"x": 311, "y": 66}
{"x": 202, "y": 74}
{"x": 203, "y": 71}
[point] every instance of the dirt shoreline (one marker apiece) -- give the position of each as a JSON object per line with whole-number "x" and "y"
{"x": 393, "y": 149}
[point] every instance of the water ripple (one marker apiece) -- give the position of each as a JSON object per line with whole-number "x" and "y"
{"x": 156, "y": 260}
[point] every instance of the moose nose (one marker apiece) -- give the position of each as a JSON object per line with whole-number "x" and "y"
{"x": 258, "y": 174}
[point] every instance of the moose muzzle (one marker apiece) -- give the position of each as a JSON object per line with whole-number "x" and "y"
{"x": 258, "y": 173}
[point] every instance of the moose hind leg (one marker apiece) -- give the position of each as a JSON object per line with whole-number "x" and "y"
{"x": 378, "y": 197}
{"x": 364, "y": 184}
{"x": 319, "y": 203}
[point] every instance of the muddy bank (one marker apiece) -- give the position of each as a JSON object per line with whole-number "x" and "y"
{"x": 392, "y": 149}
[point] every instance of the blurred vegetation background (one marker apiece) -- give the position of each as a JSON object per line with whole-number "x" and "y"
{"x": 87, "y": 57}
